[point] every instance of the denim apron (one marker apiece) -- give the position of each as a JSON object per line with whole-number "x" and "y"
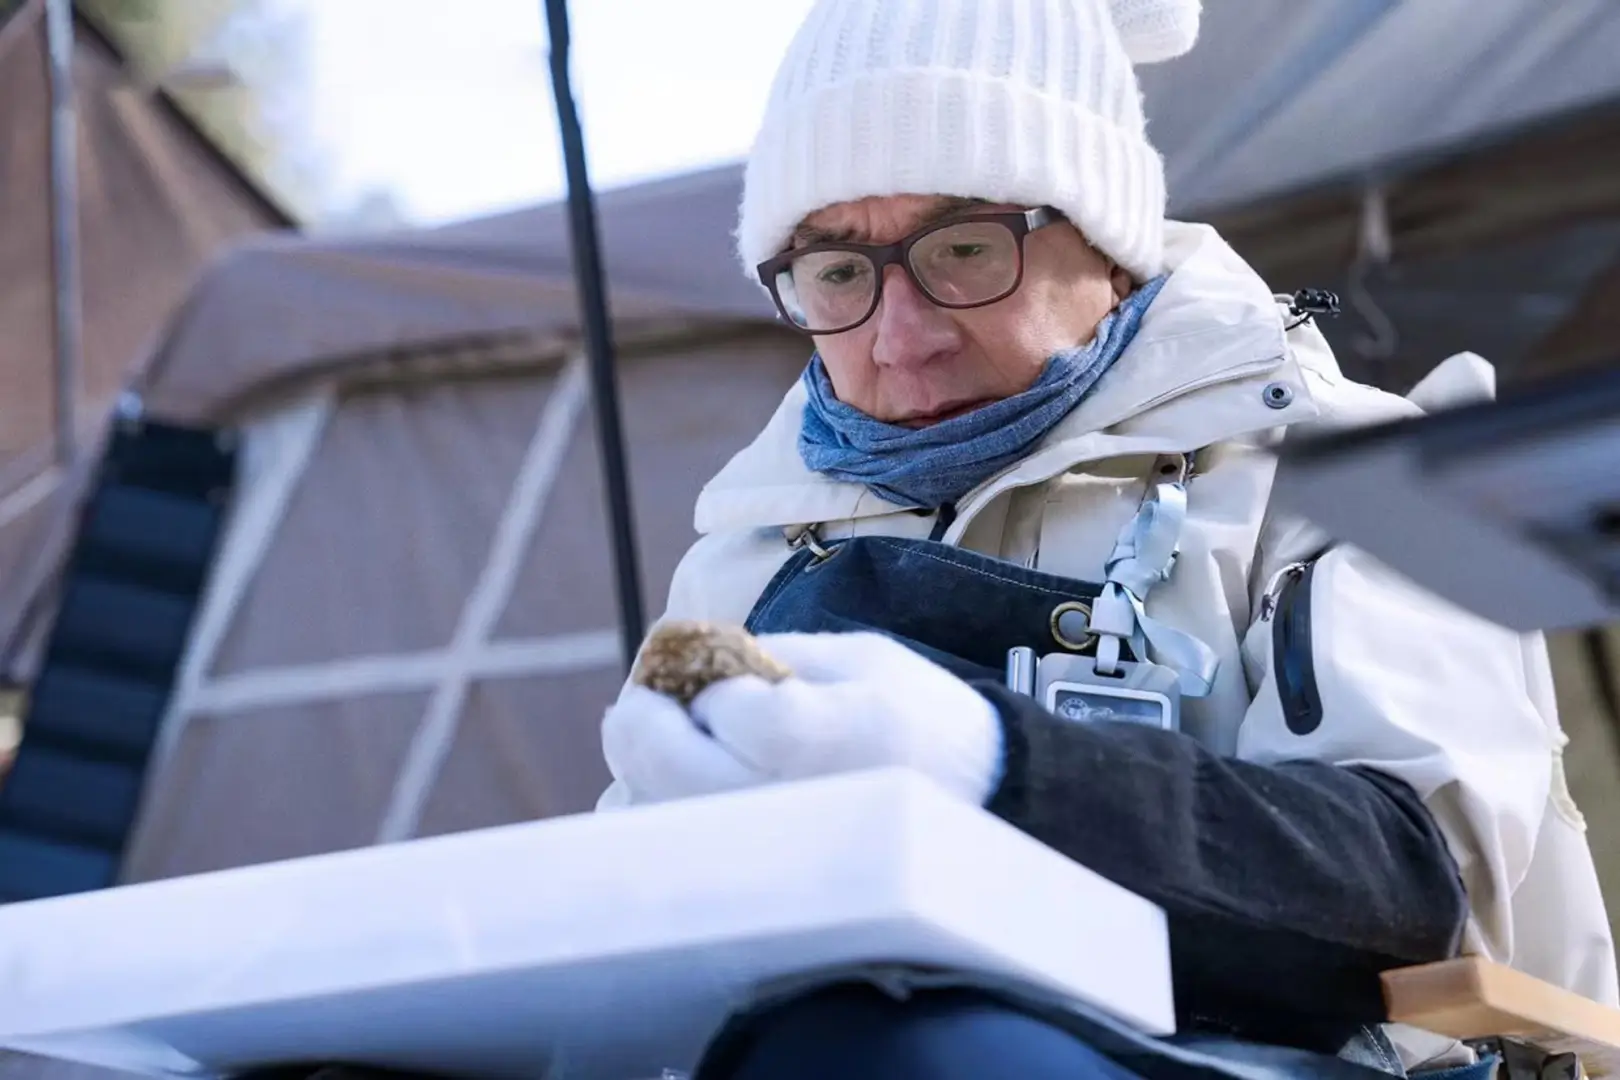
{"x": 960, "y": 609}
{"x": 965, "y": 610}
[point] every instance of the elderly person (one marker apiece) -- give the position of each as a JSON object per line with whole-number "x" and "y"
{"x": 1036, "y": 418}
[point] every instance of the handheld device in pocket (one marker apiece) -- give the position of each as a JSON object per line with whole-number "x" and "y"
{"x": 1071, "y": 687}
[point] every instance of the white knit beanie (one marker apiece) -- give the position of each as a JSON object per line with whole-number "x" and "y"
{"x": 1031, "y": 102}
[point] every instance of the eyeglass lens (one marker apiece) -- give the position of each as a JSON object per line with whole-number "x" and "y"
{"x": 956, "y": 265}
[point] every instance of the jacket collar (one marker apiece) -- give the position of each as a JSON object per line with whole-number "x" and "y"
{"x": 1214, "y": 324}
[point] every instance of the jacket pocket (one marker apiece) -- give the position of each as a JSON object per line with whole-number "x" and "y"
{"x": 1292, "y": 658}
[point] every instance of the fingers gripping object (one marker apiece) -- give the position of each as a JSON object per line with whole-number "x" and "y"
{"x": 654, "y": 747}
{"x": 710, "y": 708}
{"x": 682, "y": 658}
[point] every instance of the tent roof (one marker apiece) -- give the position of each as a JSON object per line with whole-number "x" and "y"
{"x": 1280, "y": 95}
{"x": 277, "y": 308}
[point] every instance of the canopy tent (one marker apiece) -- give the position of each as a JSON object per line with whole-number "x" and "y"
{"x": 155, "y": 202}
{"x": 410, "y": 624}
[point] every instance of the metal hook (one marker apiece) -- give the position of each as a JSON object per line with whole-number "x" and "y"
{"x": 808, "y": 536}
{"x": 1384, "y": 339}
{"x": 1374, "y": 247}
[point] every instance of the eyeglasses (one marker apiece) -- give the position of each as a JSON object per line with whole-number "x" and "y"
{"x": 966, "y": 261}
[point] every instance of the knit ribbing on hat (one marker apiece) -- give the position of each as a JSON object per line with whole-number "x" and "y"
{"x": 1031, "y": 103}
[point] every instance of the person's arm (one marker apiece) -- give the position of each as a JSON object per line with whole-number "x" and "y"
{"x": 1288, "y": 888}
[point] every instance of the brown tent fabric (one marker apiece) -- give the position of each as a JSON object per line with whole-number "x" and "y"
{"x": 1509, "y": 247}
{"x": 1589, "y": 338}
{"x": 277, "y": 310}
{"x": 1520, "y": 184}
{"x": 156, "y": 204}
{"x": 375, "y": 498}
{"x": 25, "y": 239}
{"x": 354, "y": 614}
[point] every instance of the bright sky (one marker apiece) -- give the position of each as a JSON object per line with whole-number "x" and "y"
{"x": 449, "y": 104}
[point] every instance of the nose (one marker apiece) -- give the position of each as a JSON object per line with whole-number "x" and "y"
{"x": 911, "y": 329}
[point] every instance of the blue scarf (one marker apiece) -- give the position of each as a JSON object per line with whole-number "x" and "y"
{"x": 931, "y": 466}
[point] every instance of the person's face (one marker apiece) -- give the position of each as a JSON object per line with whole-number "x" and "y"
{"x": 914, "y": 363}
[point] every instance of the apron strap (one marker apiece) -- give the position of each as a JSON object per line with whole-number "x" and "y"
{"x": 1143, "y": 556}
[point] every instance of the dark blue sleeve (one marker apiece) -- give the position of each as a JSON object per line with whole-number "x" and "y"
{"x": 1288, "y": 888}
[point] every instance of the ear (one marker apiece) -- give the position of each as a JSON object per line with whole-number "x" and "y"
{"x": 1120, "y": 278}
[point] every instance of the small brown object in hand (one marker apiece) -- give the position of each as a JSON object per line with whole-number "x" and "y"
{"x": 681, "y": 658}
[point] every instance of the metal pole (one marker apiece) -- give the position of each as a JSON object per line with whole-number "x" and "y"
{"x": 598, "y": 339}
{"x": 64, "y": 227}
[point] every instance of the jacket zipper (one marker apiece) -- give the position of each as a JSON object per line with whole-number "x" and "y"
{"x": 1292, "y": 655}
{"x": 1231, "y": 374}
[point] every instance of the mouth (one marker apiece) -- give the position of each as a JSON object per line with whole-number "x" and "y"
{"x": 948, "y": 411}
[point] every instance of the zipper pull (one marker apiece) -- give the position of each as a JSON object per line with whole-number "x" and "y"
{"x": 1274, "y": 588}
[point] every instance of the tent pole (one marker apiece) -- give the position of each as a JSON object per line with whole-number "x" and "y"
{"x": 598, "y": 338}
{"x": 64, "y": 227}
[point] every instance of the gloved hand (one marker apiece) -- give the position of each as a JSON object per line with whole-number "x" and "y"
{"x": 855, "y": 701}
{"x": 656, "y": 752}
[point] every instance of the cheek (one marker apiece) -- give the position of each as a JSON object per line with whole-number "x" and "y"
{"x": 848, "y": 360}
{"x": 1056, "y": 316}
{"x": 1018, "y": 340}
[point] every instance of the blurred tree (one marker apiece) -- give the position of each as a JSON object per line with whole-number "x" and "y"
{"x": 238, "y": 69}
{"x": 374, "y": 210}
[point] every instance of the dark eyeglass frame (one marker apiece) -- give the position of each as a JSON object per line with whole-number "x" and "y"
{"x": 1019, "y": 222}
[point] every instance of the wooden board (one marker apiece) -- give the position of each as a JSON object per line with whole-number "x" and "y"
{"x": 1472, "y": 998}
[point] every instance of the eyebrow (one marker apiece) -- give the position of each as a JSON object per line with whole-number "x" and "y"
{"x": 805, "y": 235}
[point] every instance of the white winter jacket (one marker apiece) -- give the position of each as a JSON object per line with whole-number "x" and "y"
{"x": 1460, "y": 709}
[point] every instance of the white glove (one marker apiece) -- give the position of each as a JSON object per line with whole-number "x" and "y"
{"x": 856, "y": 701}
{"x": 656, "y": 753}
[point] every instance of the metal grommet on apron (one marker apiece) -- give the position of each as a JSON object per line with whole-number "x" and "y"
{"x": 1071, "y": 626}
{"x": 961, "y": 609}
{"x": 1277, "y": 395}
